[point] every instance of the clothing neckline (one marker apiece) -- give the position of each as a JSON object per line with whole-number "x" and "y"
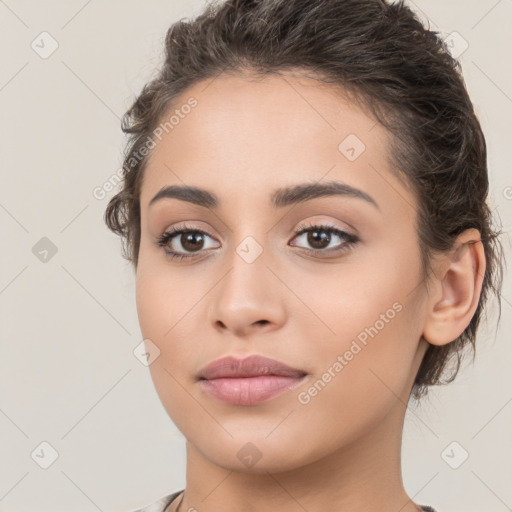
{"x": 172, "y": 497}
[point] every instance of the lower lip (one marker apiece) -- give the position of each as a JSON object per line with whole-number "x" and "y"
{"x": 249, "y": 390}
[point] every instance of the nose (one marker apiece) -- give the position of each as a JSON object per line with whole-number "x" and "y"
{"x": 248, "y": 299}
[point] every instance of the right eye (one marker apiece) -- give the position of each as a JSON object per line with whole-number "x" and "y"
{"x": 191, "y": 240}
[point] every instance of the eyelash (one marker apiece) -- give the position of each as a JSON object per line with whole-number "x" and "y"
{"x": 350, "y": 239}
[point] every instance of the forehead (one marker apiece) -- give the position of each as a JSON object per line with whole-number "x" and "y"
{"x": 248, "y": 135}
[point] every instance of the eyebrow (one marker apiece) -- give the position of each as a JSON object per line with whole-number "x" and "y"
{"x": 281, "y": 197}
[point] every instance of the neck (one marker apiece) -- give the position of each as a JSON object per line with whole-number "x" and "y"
{"x": 362, "y": 476}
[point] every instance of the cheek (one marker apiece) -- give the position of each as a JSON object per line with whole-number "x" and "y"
{"x": 164, "y": 313}
{"x": 365, "y": 330}
{"x": 363, "y": 297}
{"x": 164, "y": 297}
{"x": 361, "y": 375}
{"x": 169, "y": 318}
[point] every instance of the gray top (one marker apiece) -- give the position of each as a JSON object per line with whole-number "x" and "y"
{"x": 161, "y": 504}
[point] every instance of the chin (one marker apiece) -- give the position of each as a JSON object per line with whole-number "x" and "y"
{"x": 253, "y": 454}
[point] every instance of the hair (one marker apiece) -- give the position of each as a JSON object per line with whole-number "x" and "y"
{"x": 390, "y": 63}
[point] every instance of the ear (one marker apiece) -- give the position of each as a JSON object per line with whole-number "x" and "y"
{"x": 454, "y": 290}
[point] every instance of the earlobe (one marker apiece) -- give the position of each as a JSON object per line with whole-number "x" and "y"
{"x": 455, "y": 289}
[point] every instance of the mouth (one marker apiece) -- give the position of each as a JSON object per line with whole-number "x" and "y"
{"x": 248, "y": 381}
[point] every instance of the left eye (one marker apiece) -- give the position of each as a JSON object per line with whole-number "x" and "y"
{"x": 320, "y": 237}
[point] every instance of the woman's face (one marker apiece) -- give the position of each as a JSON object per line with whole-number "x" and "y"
{"x": 346, "y": 310}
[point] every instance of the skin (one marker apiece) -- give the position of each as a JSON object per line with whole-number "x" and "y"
{"x": 340, "y": 451}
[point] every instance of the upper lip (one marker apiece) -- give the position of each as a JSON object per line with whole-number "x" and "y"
{"x": 249, "y": 367}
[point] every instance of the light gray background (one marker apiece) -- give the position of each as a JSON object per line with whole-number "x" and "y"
{"x": 68, "y": 375}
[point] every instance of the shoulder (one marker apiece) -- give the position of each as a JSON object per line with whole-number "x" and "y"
{"x": 161, "y": 504}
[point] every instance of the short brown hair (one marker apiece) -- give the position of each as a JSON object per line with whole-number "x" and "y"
{"x": 395, "y": 66}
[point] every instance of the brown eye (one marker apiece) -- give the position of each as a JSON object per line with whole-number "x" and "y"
{"x": 320, "y": 237}
{"x": 178, "y": 242}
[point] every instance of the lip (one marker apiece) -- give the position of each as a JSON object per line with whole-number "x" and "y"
{"x": 251, "y": 366}
{"x": 248, "y": 381}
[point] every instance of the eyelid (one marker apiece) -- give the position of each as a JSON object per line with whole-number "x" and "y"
{"x": 326, "y": 224}
{"x": 184, "y": 226}
{"x": 306, "y": 225}
{"x": 331, "y": 221}
{"x": 309, "y": 224}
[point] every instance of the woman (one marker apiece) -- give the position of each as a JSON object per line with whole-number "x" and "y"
{"x": 304, "y": 204}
